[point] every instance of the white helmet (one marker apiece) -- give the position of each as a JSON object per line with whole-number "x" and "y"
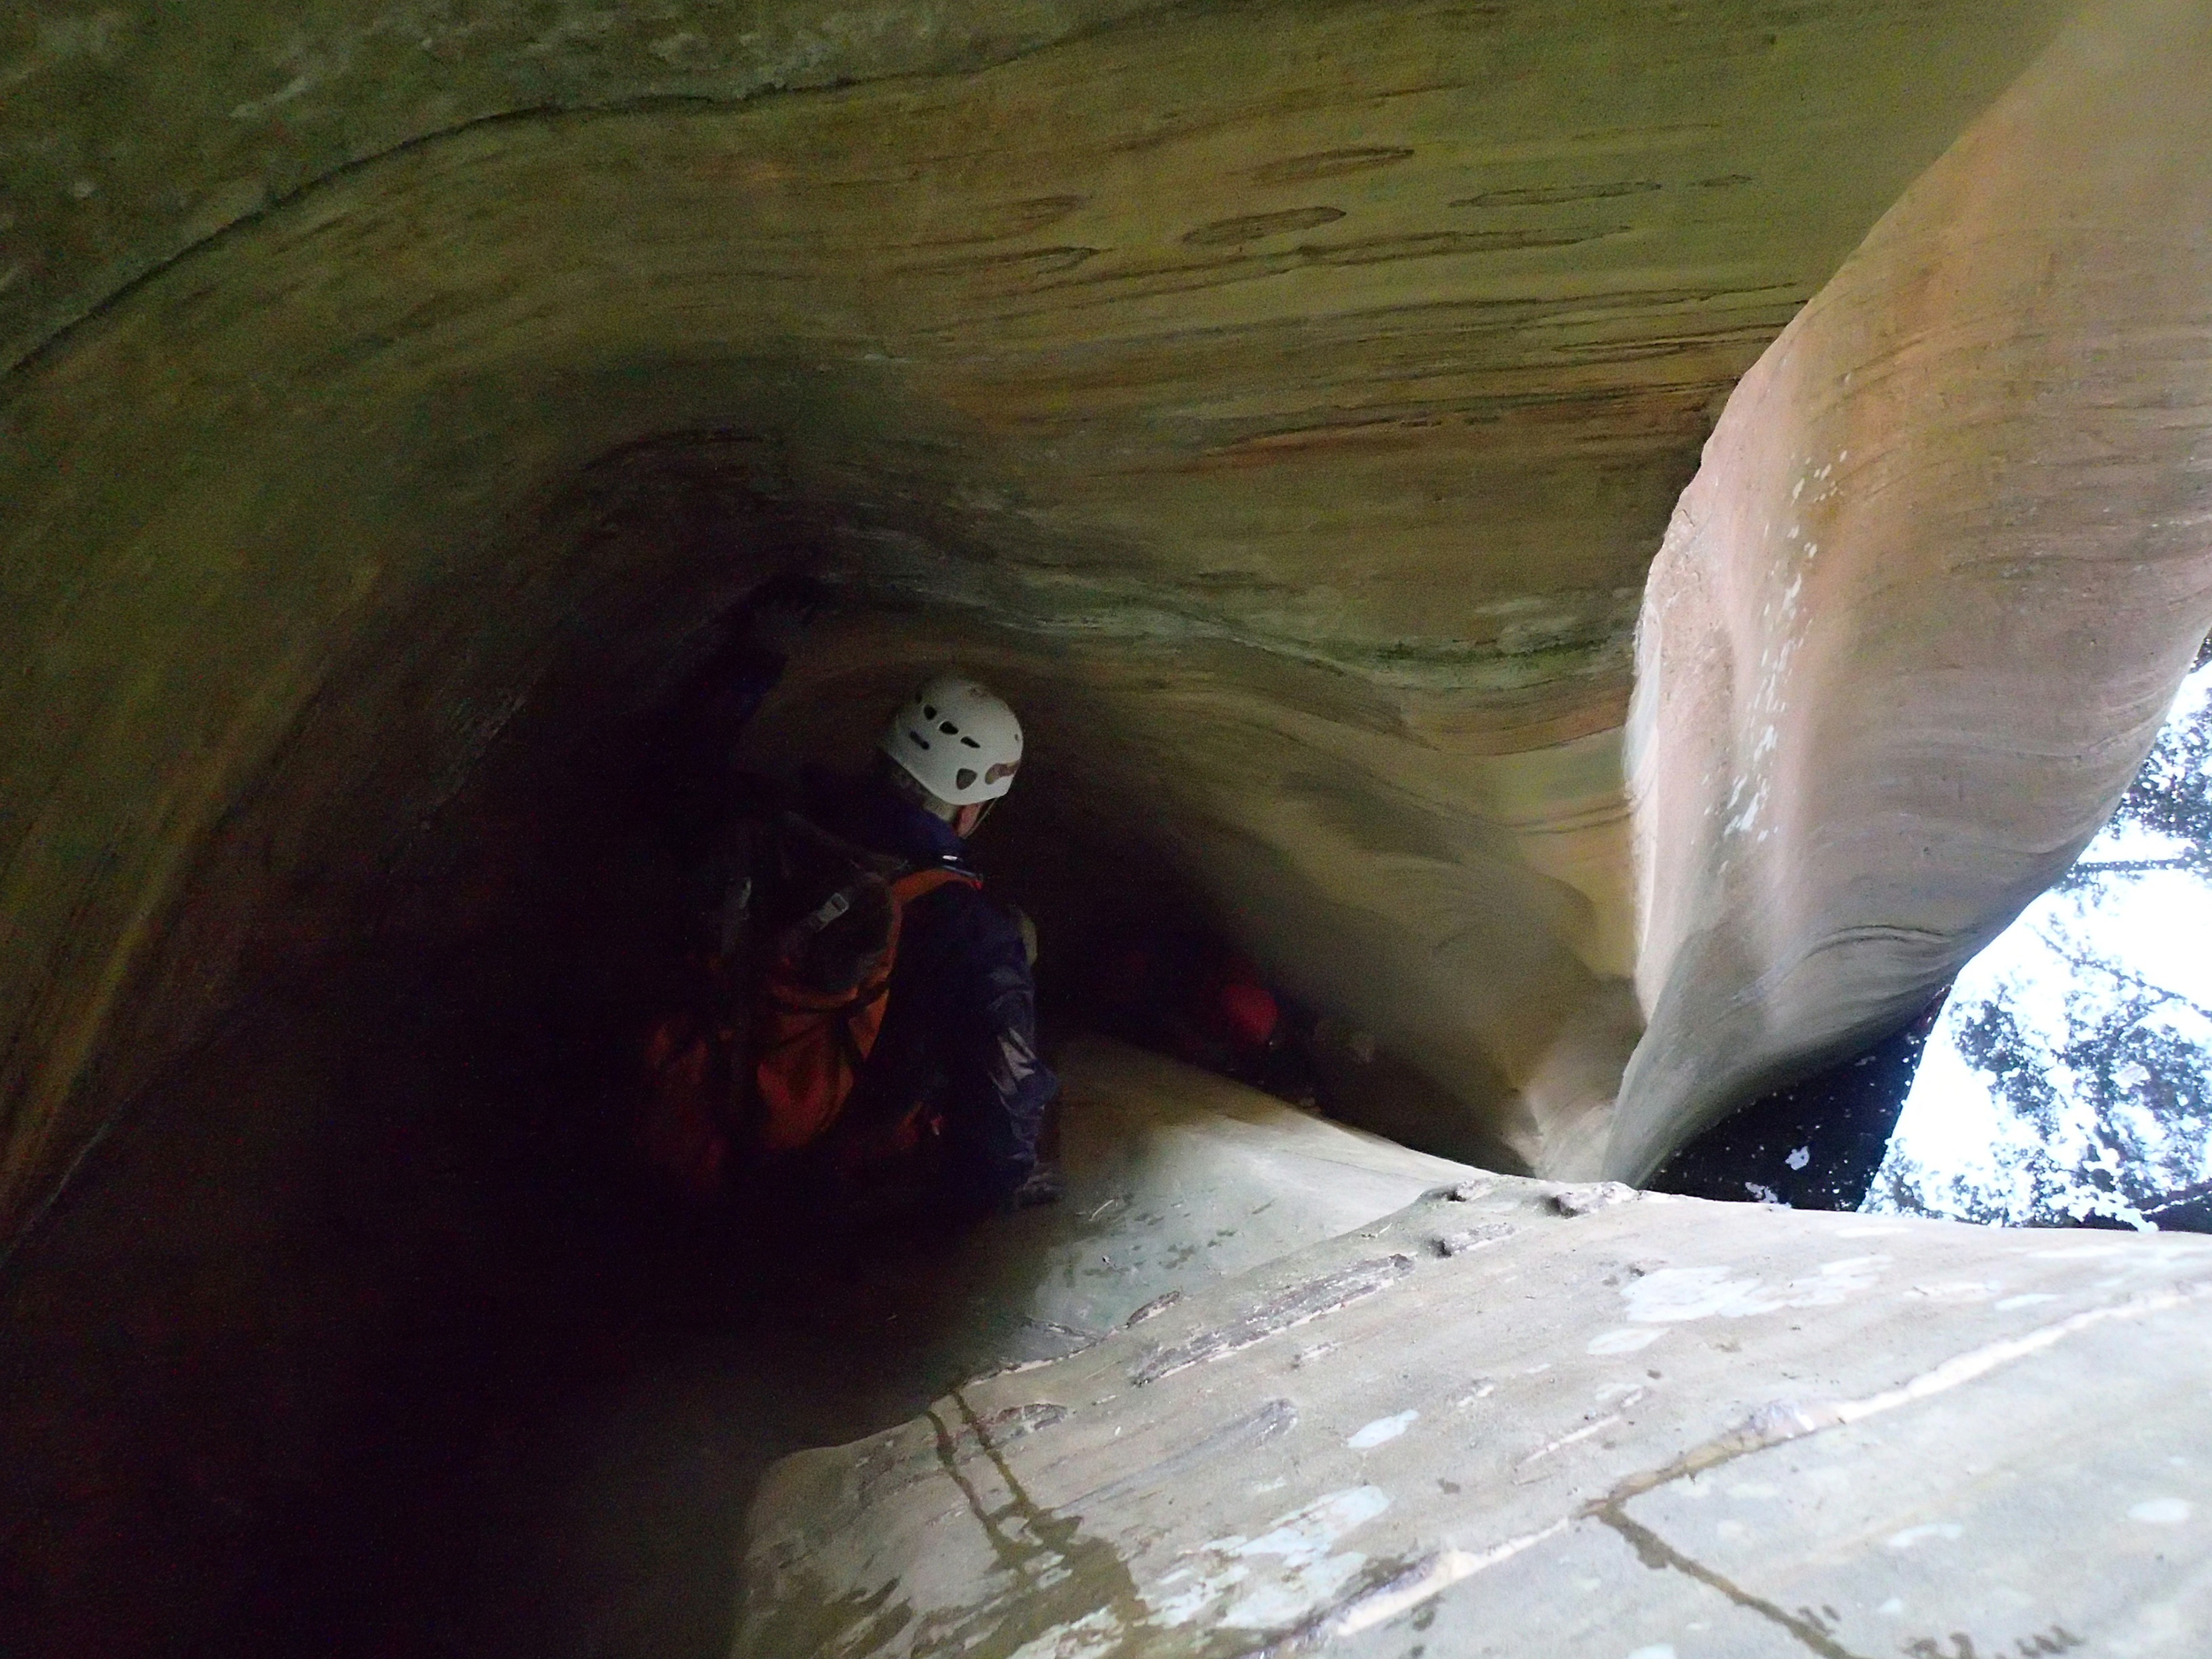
{"x": 956, "y": 741}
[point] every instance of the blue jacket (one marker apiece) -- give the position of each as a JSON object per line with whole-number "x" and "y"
{"x": 960, "y": 1031}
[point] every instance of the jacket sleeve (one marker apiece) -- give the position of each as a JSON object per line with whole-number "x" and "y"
{"x": 999, "y": 1086}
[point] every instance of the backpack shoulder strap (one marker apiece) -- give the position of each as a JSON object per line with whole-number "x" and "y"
{"x": 916, "y": 884}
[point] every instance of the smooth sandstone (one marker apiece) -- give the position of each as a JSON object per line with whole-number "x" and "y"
{"x": 1641, "y": 1427}
{"x": 1287, "y": 403}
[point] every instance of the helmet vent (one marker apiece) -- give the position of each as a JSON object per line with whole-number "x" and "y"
{"x": 919, "y": 739}
{"x": 965, "y": 779}
{"x": 970, "y": 742}
{"x": 928, "y": 714}
{"x": 948, "y": 728}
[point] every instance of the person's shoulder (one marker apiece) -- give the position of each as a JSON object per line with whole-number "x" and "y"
{"x": 969, "y": 896}
{"x": 981, "y": 918}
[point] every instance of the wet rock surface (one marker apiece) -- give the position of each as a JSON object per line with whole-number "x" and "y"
{"x": 443, "y": 1386}
{"x": 1663, "y": 1424}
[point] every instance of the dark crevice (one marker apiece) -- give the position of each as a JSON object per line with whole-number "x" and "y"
{"x": 1815, "y": 1145}
{"x": 1807, "y": 1628}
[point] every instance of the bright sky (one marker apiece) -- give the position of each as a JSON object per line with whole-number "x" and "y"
{"x": 2156, "y": 925}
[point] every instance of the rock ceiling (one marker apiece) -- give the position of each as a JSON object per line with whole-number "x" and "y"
{"x": 1286, "y": 402}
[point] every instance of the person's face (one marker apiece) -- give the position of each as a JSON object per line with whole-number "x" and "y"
{"x": 969, "y": 819}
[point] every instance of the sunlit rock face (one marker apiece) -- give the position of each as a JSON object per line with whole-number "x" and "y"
{"x": 1917, "y": 621}
{"x": 1283, "y": 403}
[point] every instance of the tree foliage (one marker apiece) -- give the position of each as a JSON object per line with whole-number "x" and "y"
{"x": 2171, "y": 797}
{"x": 2112, "y": 1098}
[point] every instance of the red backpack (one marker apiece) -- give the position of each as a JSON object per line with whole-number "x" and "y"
{"x": 820, "y": 1003}
{"x": 798, "y": 993}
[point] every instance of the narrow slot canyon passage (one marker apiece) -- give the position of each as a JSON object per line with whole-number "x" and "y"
{"x": 387, "y": 1211}
{"x": 390, "y": 1211}
{"x": 1600, "y": 553}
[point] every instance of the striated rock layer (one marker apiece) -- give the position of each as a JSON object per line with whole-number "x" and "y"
{"x": 1285, "y": 401}
{"x": 1920, "y": 616}
{"x": 1284, "y": 404}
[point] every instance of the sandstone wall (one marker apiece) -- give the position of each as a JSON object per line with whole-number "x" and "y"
{"x": 1919, "y": 618}
{"x": 1290, "y": 399}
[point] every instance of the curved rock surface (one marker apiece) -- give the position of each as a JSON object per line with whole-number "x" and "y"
{"x": 1285, "y": 404}
{"x": 1920, "y": 616}
{"x": 1285, "y": 401}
